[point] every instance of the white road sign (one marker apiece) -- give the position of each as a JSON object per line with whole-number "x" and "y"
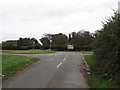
{"x": 50, "y": 40}
{"x": 70, "y": 46}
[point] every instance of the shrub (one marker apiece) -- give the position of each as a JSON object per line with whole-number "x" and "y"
{"x": 106, "y": 49}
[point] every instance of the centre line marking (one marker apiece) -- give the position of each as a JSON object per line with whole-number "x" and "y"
{"x": 65, "y": 57}
{"x": 59, "y": 65}
{"x": 62, "y": 62}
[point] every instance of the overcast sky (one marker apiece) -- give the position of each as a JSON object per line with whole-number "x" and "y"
{"x": 33, "y": 18}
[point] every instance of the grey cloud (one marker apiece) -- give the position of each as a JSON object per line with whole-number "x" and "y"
{"x": 35, "y": 17}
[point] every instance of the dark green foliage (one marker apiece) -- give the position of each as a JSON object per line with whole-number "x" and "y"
{"x": 96, "y": 80}
{"x": 21, "y": 44}
{"x": 82, "y": 40}
{"x": 24, "y": 42}
{"x": 56, "y": 47}
{"x": 59, "y": 39}
{"x": 45, "y": 41}
{"x": 106, "y": 47}
{"x": 82, "y": 48}
{"x": 64, "y": 47}
{"x": 12, "y": 43}
{"x": 59, "y": 47}
{"x": 27, "y": 42}
{"x": 21, "y": 47}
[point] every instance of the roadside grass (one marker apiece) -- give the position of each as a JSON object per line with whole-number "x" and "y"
{"x": 35, "y": 51}
{"x": 90, "y": 60}
{"x": 96, "y": 80}
{"x": 84, "y": 52}
{"x": 87, "y": 52}
{"x": 13, "y": 62}
{"x": 69, "y": 51}
{"x": 0, "y": 64}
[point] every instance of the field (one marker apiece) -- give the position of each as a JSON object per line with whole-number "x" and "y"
{"x": 13, "y": 62}
{"x": 35, "y": 51}
{"x": 96, "y": 81}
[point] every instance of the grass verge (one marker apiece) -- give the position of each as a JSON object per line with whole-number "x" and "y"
{"x": 35, "y": 51}
{"x": 87, "y": 52}
{"x": 0, "y": 64}
{"x": 13, "y": 62}
{"x": 96, "y": 80}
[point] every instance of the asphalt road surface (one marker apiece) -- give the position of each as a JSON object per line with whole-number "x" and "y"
{"x": 56, "y": 70}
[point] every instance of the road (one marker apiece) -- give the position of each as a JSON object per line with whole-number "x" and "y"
{"x": 56, "y": 70}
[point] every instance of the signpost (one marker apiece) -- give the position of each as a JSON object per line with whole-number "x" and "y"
{"x": 70, "y": 47}
{"x": 33, "y": 44}
{"x": 50, "y": 44}
{"x": 50, "y": 40}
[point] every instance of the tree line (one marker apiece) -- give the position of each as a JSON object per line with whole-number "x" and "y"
{"x": 81, "y": 40}
{"x": 21, "y": 44}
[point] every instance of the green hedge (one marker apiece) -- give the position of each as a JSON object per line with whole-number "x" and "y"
{"x": 21, "y": 48}
{"x": 64, "y": 47}
{"x": 83, "y": 48}
{"x": 53, "y": 47}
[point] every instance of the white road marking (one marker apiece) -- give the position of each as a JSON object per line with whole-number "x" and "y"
{"x": 63, "y": 61}
{"x": 65, "y": 57}
{"x": 59, "y": 65}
